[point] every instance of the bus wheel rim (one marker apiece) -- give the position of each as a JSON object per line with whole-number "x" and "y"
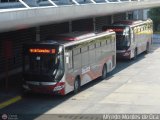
{"x": 104, "y": 72}
{"x": 76, "y": 85}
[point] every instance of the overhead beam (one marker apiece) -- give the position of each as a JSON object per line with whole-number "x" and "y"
{"x": 24, "y": 18}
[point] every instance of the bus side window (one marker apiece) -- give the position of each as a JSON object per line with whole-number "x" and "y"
{"x": 84, "y": 53}
{"x": 84, "y": 49}
{"x": 76, "y": 58}
{"x": 92, "y": 53}
{"x": 103, "y": 43}
{"x": 106, "y": 47}
{"x": 98, "y": 44}
{"x": 139, "y": 30}
{"x": 144, "y": 28}
{"x": 70, "y": 60}
{"x": 110, "y": 41}
{"x": 76, "y": 51}
{"x": 136, "y": 31}
{"x": 103, "y": 46}
{"x": 98, "y": 50}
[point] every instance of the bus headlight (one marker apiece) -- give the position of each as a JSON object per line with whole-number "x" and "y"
{"x": 57, "y": 88}
{"x": 127, "y": 53}
{"x": 26, "y": 87}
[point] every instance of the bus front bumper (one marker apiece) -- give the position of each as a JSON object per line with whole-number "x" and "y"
{"x": 45, "y": 87}
{"x": 124, "y": 54}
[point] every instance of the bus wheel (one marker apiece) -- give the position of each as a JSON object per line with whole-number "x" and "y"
{"x": 104, "y": 72}
{"x": 147, "y": 48}
{"x": 76, "y": 85}
{"x": 135, "y": 53}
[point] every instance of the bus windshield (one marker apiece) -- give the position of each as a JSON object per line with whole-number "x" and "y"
{"x": 43, "y": 67}
{"x": 42, "y": 64}
{"x": 122, "y": 36}
{"x": 122, "y": 42}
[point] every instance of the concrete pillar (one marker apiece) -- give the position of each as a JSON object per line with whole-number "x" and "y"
{"x": 136, "y": 14}
{"x": 129, "y": 15}
{"x": 112, "y": 19}
{"x": 145, "y": 14}
{"x": 94, "y": 24}
{"x": 141, "y": 14}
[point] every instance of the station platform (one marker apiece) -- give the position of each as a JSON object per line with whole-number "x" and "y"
{"x": 12, "y": 92}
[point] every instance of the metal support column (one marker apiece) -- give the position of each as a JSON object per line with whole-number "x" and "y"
{"x": 94, "y": 24}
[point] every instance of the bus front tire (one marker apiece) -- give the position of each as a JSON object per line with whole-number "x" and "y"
{"x": 76, "y": 85}
{"x": 104, "y": 72}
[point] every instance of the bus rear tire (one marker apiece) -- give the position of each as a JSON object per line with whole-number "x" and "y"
{"x": 135, "y": 54}
{"x": 76, "y": 85}
{"x": 104, "y": 72}
{"x": 147, "y": 48}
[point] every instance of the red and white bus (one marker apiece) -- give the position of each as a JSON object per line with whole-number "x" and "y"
{"x": 67, "y": 62}
{"x": 132, "y": 37}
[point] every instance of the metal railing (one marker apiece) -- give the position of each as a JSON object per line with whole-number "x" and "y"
{"x": 7, "y": 4}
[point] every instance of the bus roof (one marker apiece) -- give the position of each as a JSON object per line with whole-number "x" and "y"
{"x": 71, "y": 38}
{"x": 130, "y": 22}
{"x": 77, "y": 37}
{"x": 74, "y": 36}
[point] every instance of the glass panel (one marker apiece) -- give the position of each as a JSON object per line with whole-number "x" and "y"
{"x": 43, "y": 64}
{"x": 123, "y": 39}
